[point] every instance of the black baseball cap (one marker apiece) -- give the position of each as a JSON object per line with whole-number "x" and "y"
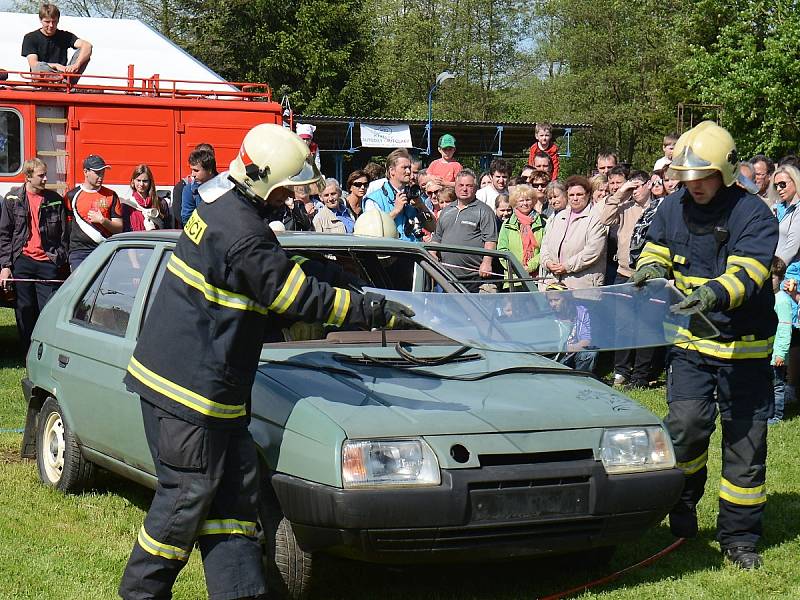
{"x": 94, "y": 162}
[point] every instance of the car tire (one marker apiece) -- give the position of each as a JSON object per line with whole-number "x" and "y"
{"x": 58, "y": 453}
{"x": 288, "y": 567}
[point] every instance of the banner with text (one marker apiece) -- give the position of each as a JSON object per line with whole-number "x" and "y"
{"x": 385, "y": 136}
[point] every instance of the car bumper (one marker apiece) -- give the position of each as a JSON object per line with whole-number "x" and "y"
{"x": 480, "y": 514}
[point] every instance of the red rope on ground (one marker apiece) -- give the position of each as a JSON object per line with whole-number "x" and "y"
{"x": 616, "y": 575}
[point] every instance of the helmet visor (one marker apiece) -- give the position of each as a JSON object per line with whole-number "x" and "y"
{"x": 687, "y": 159}
{"x": 307, "y": 175}
{"x": 690, "y": 174}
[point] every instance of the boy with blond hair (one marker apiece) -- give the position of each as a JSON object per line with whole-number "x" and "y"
{"x": 668, "y": 146}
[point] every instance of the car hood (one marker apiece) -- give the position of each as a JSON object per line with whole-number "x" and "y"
{"x": 368, "y": 400}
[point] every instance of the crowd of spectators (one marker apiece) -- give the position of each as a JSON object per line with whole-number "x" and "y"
{"x": 574, "y": 233}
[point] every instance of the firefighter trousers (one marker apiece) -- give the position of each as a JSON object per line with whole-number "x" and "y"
{"x": 207, "y": 492}
{"x": 698, "y": 388}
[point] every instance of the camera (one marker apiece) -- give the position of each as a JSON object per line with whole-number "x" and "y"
{"x": 412, "y": 192}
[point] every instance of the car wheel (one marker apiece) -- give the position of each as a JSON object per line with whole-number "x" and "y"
{"x": 58, "y": 452}
{"x": 287, "y": 566}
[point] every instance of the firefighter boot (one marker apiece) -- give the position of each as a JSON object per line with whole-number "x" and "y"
{"x": 743, "y": 556}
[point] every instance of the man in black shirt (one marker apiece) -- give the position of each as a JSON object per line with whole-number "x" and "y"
{"x": 46, "y": 48}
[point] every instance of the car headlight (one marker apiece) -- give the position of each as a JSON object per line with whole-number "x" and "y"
{"x": 636, "y": 449}
{"x": 381, "y": 463}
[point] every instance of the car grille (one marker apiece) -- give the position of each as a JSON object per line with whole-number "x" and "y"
{"x": 454, "y": 538}
{"x": 535, "y": 458}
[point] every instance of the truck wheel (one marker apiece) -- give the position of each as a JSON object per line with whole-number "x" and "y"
{"x": 287, "y": 566}
{"x": 58, "y": 452}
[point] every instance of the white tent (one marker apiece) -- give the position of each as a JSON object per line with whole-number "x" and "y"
{"x": 117, "y": 43}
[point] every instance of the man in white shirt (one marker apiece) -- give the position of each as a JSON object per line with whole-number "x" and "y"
{"x": 500, "y": 171}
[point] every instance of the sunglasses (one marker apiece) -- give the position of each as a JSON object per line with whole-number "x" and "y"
{"x": 360, "y": 184}
{"x": 779, "y": 185}
{"x": 539, "y": 185}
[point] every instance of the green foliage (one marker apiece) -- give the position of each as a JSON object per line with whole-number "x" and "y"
{"x": 612, "y": 64}
{"x": 751, "y": 68}
{"x": 314, "y": 49}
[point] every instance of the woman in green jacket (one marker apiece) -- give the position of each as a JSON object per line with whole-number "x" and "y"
{"x": 522, "y": 233}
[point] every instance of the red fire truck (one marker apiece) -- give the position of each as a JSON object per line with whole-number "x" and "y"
{"x": 127, "y": 120}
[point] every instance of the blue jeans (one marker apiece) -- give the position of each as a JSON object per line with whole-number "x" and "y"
{"x": 784, "y": 392}
{"x": 580, "y": 361}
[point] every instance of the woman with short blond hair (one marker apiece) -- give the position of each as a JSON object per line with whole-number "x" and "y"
{"x": 521, "y": 234}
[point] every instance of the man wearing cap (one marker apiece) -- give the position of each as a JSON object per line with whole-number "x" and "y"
{"x": 445, "y": 168}
{"x": 717, "y": 240}
{"x": 93, "y": 211}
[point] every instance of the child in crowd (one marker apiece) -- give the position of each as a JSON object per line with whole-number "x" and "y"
{"x": 502, "y": 209}
{"x": 445, "y": 168}
{"x": 544, "y": 143}
{"x": 783, "y": 336}
{"x": 669, "y": 145}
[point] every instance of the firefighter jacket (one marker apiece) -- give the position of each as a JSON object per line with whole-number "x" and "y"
{"x": 15, "y": 225}
{"x": 224, "y": 286}
{"x": 728, "y": 245}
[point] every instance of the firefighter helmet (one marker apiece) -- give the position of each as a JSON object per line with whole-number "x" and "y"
{"x": 271, "y": 156}
{"x": 702, "y": 150}
{"x": 376, "y": 223}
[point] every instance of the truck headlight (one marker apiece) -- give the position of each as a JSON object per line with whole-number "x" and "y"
{"x": 381, "y": 463}
{"x": 636, "y": 449}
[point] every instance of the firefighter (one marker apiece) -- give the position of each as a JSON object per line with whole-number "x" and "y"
{"x": 716, "y": 240}
{"x": 226, "y": 285}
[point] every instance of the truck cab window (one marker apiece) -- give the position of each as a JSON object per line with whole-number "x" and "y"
{"x": 10, "y": 142}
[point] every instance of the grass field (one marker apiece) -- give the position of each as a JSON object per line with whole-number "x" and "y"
{"x": 75, "y": 547}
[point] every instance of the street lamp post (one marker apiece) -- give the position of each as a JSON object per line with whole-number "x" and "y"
{"x": 440, "y": 78}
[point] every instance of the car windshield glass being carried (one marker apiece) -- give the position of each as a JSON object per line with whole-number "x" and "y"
{"x": 605, "y": 318}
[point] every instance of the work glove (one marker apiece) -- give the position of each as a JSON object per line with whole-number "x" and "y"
{"x": 701, "y": 300}
{"x": 647, "y": 272}
{"x": 386, "y": 314}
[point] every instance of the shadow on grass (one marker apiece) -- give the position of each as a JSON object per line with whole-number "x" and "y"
{"x": 536, "y": 577}
{"x": 106, "y": 482}
{"x": 11, "y": 354}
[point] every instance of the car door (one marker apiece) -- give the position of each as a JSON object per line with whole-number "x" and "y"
{"x": 96, "y": 339}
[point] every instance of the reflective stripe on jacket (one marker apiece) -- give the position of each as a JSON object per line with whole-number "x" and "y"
{"x": 228, "y": 278}
{"x": 734, "y": 262}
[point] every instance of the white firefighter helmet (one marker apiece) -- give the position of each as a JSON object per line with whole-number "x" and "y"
{"x": 376, "y": 223}
{"x": 271, "y": 156}
{"x": 702, "y": 150}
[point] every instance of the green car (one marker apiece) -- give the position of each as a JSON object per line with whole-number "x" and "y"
{"x": 455, "y": 441}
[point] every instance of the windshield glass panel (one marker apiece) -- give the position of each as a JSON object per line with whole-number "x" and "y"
{"x": 606, "y": 318}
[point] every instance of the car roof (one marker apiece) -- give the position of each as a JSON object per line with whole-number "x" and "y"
{"x": 289, "y": 239}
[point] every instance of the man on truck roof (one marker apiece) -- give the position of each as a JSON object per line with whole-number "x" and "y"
{"x": 46, "y": 48}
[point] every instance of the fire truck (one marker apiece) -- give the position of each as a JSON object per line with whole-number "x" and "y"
{"x": 126, "y": 118}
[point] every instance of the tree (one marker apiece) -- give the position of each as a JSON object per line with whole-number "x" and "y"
{"x": 612, "y": 64}
{"x": 750, "y": 66}
{"x": 314, "y": 48}
{"x": 475, "y": 39}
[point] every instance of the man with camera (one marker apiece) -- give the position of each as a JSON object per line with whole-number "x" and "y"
{"x": 400, "y": 200}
